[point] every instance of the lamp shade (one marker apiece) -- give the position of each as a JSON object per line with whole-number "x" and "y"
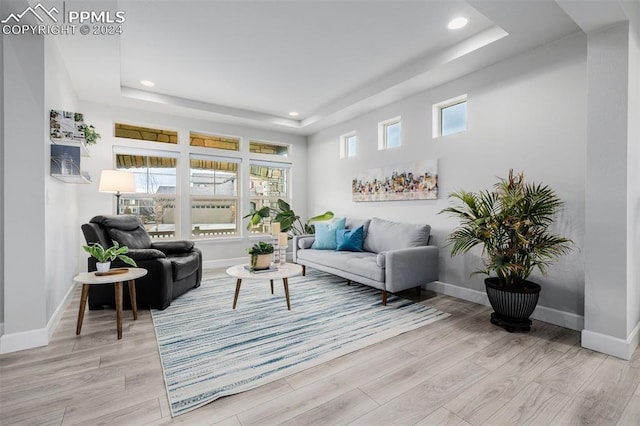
{"x": 117, "y": 182}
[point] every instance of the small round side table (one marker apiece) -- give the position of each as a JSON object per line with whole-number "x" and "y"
{"x": 114, "y": 276}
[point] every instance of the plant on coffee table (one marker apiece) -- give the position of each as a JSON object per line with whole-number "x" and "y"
{"x": 104, "y": 257}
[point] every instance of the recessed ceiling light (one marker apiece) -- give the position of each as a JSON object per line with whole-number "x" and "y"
{"x": 294, "y": 114}
{"x": 147, "y": 83}
{"x": 457, "y": 23}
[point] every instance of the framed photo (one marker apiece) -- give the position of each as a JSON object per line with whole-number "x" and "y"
{"x": 66, "y": 126}
{"x": 410, "y": 181}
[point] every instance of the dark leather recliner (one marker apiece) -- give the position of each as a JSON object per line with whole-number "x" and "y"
{"x": 174, "y": 267}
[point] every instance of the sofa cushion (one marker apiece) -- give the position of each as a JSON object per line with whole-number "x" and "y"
{"x": 385, "y": 235}
{"x": 305, "y": 243}
{"x": 183, "y": 265}
{"x": 358, "y": 263}
{"x": 381, "y": 260}
{"x": 350, "y": 239}
{"x": 354, "y": 223}
{"x": 326, "y": 234}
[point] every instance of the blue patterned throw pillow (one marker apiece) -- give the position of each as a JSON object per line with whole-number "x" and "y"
{"x": 350, "y": 239}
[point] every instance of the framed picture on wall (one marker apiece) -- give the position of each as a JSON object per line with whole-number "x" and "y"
{"x": 409, "y": 181}
{"x": 66, "y": 126}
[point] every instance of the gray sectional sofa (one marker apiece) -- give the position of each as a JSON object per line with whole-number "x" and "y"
{"x": 396, "y": 256}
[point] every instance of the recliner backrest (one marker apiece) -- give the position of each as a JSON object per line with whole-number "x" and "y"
{"x": 127, "y": 230}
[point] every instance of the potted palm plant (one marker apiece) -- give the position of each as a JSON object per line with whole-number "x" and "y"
{"x": 104, "y": 257}
{"x": 511, "y": 223}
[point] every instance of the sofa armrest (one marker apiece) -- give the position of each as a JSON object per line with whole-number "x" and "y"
{"x": 173, "y": 247}
{"x": 145, "y": 254}
{"x": 411, "y": 267}
{"x": 301, "y": 242}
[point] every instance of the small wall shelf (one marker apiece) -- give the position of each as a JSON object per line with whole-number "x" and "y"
{"x": 83, "y": 179}
{"x": 84, "y": 152}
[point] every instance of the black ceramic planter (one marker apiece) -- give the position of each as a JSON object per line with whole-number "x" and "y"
{"x": 512, "y": 306}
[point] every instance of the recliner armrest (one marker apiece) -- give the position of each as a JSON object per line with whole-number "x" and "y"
{"x": 145, "y": 254}
{"x": 173, "y": 247}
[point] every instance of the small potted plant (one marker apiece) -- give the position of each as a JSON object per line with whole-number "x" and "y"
{"x": 104, "y": 257}
{"x": 260, "y": 256}
{"x": 511, "y": 224}
{"x": 90, "y": 135}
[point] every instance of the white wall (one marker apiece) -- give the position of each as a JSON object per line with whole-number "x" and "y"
{"x": 1, "y": 180}
{"x": 633, "y": 137}
{"x": 24, "y": 210}
{"x": 526, "y": 113}
{"x": 216, "y": 252}
{"x": 62, "y": 235}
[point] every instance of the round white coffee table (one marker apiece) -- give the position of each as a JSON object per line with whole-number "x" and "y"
{"x": 111, "y": 277}
{"x": 283, "y": 272}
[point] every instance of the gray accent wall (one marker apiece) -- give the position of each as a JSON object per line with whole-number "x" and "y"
{"x": 527, "y": 113}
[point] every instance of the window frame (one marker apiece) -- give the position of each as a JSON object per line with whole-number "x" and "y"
{"x": 437, "y": 115}
{"x": 272, "y": 199}
{"x": 237, "y": 198}
{"x": 345, "y": 152}
{"x": 382, "y": 132}
{"x": 119, "y": 150}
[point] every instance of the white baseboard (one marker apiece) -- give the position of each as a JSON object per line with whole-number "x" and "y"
{"x": 614, "y": 346}
{"x": 59, "y": 312}
{"x": 14, "y": 342}
{"x": 221, "y": 263}
{"x": 542, "y": 313}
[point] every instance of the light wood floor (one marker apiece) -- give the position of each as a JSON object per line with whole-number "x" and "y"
{"x": 457, "y": 371}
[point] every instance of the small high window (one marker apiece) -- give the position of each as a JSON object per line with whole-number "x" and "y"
{"x": 258, "y": 147}
{"x": 348, "y": 145}
{"x": 229, "y": 143}
{"x": 390, "y": 133}
{"x": 145, "y": 133}
{"x": 450, "y": 116}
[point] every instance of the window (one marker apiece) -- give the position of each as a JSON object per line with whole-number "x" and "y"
{"x": 450, "y": 116}
{"x": 213, "y": 186}
{"x": 257, "y": 147}
{"x": 212, "y": 141}
{"x": 145, "y": 133}
{"x": 389, "y": 134}
{"x": 155, "y": 198}
{"x": 348, "y": 145}
{"x": 268, "y": 182}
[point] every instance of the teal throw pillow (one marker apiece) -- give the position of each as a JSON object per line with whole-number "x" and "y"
{"x": 350, "y": 239}
{"x": 326, "y": 234}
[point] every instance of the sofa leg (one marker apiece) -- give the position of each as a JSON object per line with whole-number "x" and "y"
{"x": 348, "y": 282}
{"x": 384, "y": 297}
{"x": 418, "y": 290}
{"x": 304, "y": 270}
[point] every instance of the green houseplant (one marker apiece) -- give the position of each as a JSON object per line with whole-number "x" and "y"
{"x": 90, "y": 134}
{"x": 511, "y": 223}
{"x": 260, "y": 255}
{"x": 289, "y": 221}
{"x": 104, "y": 257}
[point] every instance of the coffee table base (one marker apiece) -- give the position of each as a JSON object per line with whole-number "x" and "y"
{"x": 286, "y": 291}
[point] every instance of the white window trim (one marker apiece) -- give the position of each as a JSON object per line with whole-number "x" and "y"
{"x": 344, "y": 144}
{"x": 382, "y": 140}
{"x": 437, "y": 114}
{"x": 237, "y": 198}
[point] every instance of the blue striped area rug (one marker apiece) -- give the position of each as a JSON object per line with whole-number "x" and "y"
{"x": 208, "y": 350}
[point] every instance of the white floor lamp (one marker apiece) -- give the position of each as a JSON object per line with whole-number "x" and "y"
{"x": 117, "y": 182}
